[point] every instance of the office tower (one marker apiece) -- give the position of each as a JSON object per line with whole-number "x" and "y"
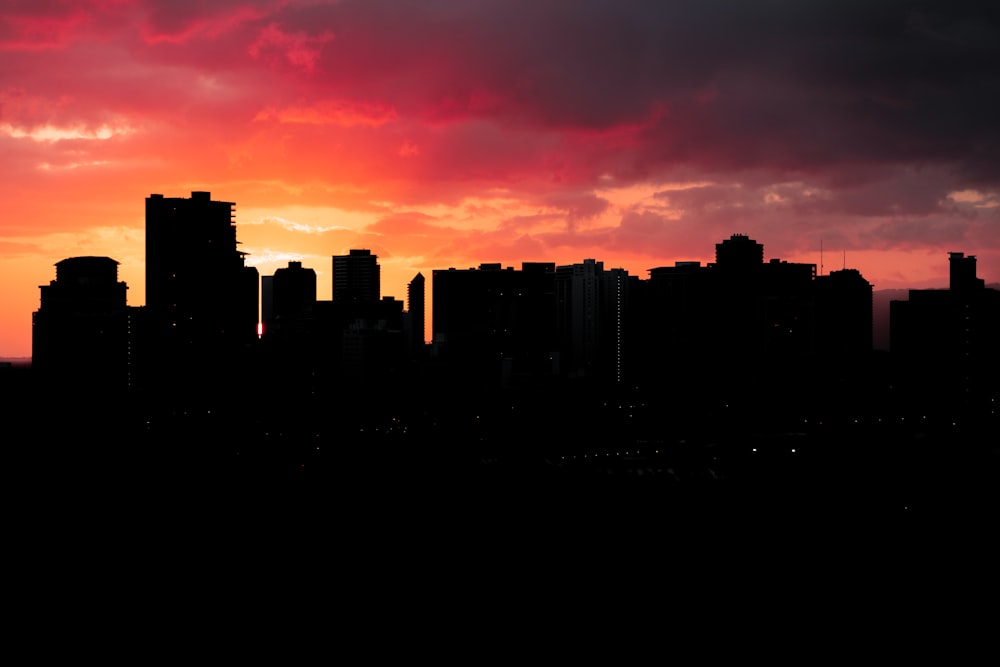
{"x": 266, "y": 303}
{"x": 949, "y": 337}
{"x": 80, "y": 331}
{"x": 785, "y": 302}
{"x": 672, "y": 320}
{"x": 291, "y": 296}
{"x": 495, "y": 325}
{"x": 758, "y": 310}
{"x": 366, "y": 329}
{"x": 843, "y": 317}
{"x": 616, "y": 325}
{"x": 202, "y": 301}
{"x": 579, "y": 314}
{"x": 951, "y": 323}
{"x": 591, "y": 316}
{"x": 356, "y": 277}
{"x": 293, "y": 353}
{"x": 416, "y": 317}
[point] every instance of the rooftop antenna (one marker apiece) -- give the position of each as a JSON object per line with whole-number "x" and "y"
{"x": 845, "y": 261}
{"x": 821, "y": 257}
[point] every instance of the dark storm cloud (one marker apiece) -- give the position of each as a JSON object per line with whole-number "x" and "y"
{"x": 718, "y": 86}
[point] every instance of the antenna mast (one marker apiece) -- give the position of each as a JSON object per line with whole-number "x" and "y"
{"x": 821, "y": 257}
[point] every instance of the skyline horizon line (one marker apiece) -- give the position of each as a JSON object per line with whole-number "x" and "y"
{"x": 272, "y": 262}
{"x": 904, "y": 292}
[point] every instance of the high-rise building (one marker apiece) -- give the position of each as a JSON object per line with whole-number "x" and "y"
{"x": 202, "y": 301}
{"x": 578, "y": 303}
{"x": 356, "y": 277}
{"x": 948, "y": 338}
{"x": 80, "y": 330}
{"x": 495, "y": 325}
{"x": 290, "y": 296}
{"x": 591, "y": 312}
{"x": 672, "y": 323}
{"x": 844, "y": 316}
{"x": 616, "y": 324}
{"x": 294, "y": 350}
{"x": 416, "y": 311}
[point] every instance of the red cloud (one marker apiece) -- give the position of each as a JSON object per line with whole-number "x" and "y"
{"x": 299, "y": 48}
{"x": 346, "y": 113}
{"x": 181, "y": 21}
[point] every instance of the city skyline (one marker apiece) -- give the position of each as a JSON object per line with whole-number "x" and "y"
{"x": 702, "y": 378}
{"x": 880, "y": 306}
{"x": 452, "y": 134}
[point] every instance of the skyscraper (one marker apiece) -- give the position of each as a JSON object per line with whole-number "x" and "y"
{"x": 356, "y": 277}
{"x": 80, "y": 330}
{"x": 949, "y": 338}
{"x": 292, "y": 295}
{"x": 201, "y": 299}
{"x": 578, "y": 299}
{"x": 843, "y": 317}
{"x": 416, "y": 311}
{"x": 495, "y": 325}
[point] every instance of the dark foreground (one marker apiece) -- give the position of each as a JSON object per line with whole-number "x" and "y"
{"x": 456, "y": 538}
{"x": 789, "y": 481}
{"x": 413, "y": 550}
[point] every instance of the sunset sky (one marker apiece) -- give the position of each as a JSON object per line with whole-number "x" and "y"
{"x": 448, "y": 133}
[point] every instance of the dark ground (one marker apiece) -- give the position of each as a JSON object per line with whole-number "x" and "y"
{"x": 487, "y": 508}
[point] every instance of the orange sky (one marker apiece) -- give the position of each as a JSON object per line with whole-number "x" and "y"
{"x": 450, "y": 133}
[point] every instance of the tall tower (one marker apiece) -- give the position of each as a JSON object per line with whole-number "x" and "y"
{"x": 196, "y": 280}
{"x": 578, "y": 302}
{"x": 415, "y": 295}
{"x": 202, "y": 302}
{"x": 356, "y": 277}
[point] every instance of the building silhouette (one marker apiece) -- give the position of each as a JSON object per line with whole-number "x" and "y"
{"x": 844, "y": 322}
{"x": 741, "y": 316}
{"x": 740, "y": 335}
{"x": 356, "y": 277}
{"x": 416, "y": 314}
{"x": 738, "y": 252}
{"x": 946, "y": 340}
{"x": 367, "y": 330}
{"x": 288, "y": 298}
{"x": 200, "y": 320}
{"x": 591, "y": 304}
{"x": 761, "y": 309}
{"x": 687, "y": 329}
{"x": 332, "y": 347}
{"x": 80, "y": 332}
{"x": 750, "y": 377}
{"x": 291, "y": 351}
{"x": 495, "y": 326}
